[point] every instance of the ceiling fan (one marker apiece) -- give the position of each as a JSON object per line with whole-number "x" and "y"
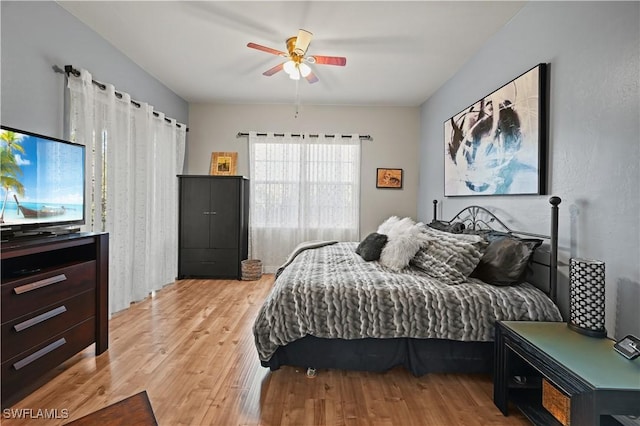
{"x": 296, "y": 64}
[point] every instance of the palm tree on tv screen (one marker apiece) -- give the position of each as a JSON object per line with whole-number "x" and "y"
{"x": 10, "y": 170}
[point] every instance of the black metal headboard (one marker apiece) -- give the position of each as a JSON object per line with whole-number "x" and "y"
{"x": 479, "y": 218}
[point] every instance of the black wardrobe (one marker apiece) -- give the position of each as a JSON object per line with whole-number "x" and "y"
{"x": 214, "y": 216}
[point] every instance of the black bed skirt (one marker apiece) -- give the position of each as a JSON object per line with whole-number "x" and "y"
{"x": 419, "y": 356}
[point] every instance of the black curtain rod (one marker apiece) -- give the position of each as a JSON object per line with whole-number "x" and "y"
{"x": 362, "y": 137}
{"x": 68, "y": 69}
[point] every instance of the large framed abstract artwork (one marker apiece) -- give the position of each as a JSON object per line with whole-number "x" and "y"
{"x": 497, "y": 146}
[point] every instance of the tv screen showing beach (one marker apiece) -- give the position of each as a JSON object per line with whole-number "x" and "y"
{"x": 42, "y": 180}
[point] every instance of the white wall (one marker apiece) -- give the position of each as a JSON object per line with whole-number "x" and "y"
{"x": 395, "y": 132}
{"x": 36, "y": 35}
{"x": 593, "y": 49}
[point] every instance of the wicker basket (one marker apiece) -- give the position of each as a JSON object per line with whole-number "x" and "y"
{"x": 251, "y": 270}
{"x": 556, "y": 403}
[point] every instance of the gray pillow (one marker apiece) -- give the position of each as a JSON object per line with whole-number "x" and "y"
{"x": 453, "y": 227}
{"x": 506, "y": 259}
{"x": 371, "y": 247}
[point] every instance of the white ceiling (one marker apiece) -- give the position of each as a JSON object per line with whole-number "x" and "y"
{"x": 398, "y": 53}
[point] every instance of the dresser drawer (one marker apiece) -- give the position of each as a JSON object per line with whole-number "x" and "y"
{"x": 34, "y": 328}
{"x": 28, "y": 294}
{"x": 209, "y": 262}
{"x": 24, "y": 369}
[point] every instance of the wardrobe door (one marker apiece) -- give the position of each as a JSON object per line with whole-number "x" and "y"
{"x": 224, "y": 213}
{"x": 194, "y": 212}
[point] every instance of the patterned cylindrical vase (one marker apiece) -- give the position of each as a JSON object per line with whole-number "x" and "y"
{"x": 586, "y": 297}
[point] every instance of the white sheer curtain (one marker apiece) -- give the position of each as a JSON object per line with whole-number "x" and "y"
{"x": 133, "y": 158}
{"x": 302, "y": 188}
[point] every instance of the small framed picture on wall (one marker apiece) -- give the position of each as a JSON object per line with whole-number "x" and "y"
{"x": 389, "y": 178}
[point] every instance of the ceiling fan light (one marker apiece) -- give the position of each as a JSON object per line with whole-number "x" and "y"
{"x": 305, "y": 70}
{"x": 295, "y": 74}
{"x": 290, "y": 67}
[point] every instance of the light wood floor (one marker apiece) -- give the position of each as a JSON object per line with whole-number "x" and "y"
{"x": 191, "y": 348}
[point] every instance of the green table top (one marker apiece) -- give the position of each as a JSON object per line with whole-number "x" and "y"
{"x": 593, "y": 359}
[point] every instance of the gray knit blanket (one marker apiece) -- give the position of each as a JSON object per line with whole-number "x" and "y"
{"x": 331, "y": 292}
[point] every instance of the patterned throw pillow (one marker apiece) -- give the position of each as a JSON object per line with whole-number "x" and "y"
{"x": 449, "y": 257}
{"x": 454, "y": 228}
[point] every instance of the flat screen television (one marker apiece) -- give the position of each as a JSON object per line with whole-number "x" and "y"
{"x": 42, "y": 184}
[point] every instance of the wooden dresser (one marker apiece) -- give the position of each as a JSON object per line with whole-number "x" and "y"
{"x": 54, "y": 300}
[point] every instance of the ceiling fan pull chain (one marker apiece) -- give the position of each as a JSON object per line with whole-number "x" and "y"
{"x": 297, "y": 99}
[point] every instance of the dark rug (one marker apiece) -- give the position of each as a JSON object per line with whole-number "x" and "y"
{"x": 135, "y": 410}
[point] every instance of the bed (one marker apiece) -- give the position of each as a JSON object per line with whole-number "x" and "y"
{"x": 331, "y": 308}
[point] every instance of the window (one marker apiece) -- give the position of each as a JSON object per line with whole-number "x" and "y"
{"x": 303, "y": 188}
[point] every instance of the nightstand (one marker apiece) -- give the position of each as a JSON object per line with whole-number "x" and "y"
{"x": 585, "y": 381}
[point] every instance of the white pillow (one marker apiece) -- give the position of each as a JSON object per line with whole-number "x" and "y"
{"x": 386, "y": 226}
{"x": 405, "y": 238}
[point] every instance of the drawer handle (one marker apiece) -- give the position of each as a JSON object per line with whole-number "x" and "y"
{"x": 40, "y": 318}
{"x": 39, "y": 284}
{"x": 39, "y": 354}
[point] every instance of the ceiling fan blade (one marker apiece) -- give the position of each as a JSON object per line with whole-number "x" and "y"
{"x": 272, "y": 71}
{"x": 312, "y": 78}
{"x": 302, "y": 42}
{"x": 266, "y": 49}
{"x": 330, "y": 60}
